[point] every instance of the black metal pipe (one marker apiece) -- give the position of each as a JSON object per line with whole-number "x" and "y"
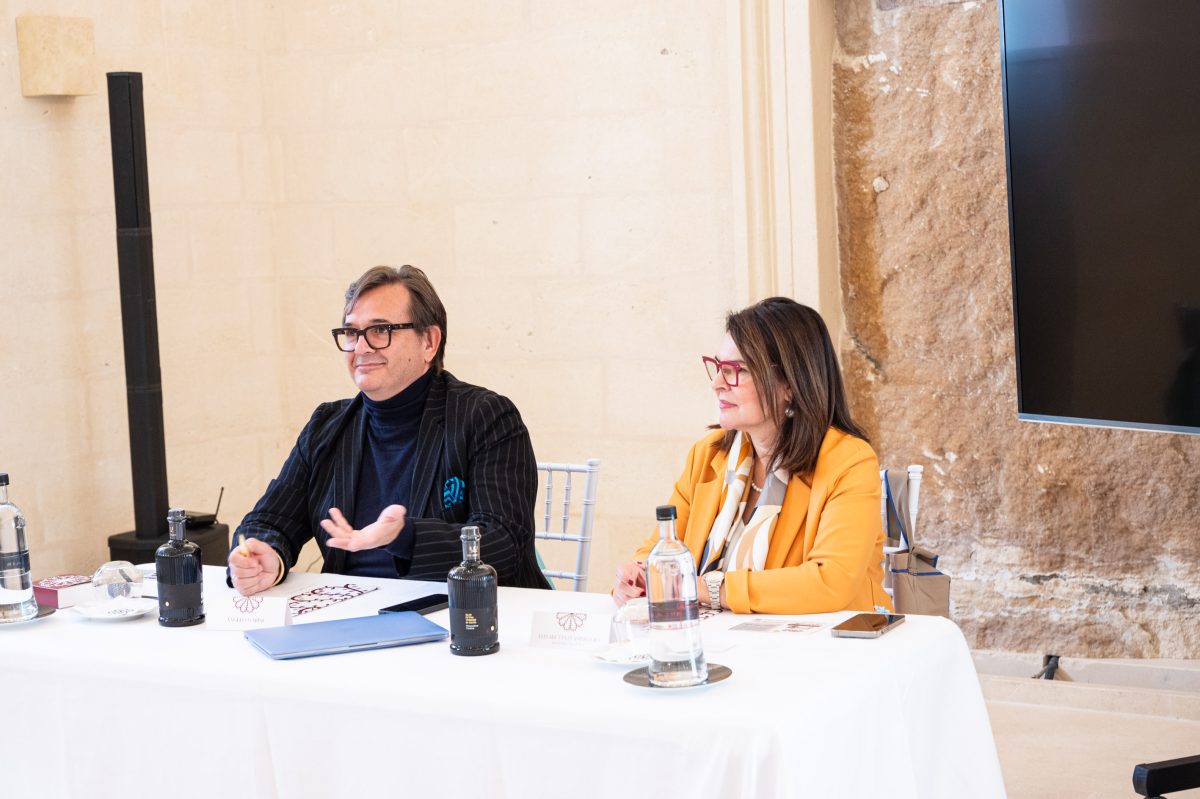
{"x": 1049, "y": 668}
{"x": 139, "y": 319}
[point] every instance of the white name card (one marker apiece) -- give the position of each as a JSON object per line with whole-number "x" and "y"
{"x": 237, "y": 612}
{"x": 570, "y": 629}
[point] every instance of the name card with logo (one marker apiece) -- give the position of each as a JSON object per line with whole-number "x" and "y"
{"x": 237, "y": 612}
{"x": 570, "y": 629}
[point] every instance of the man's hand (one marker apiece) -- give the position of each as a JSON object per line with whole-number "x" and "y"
{"x": 378, "y": 533}
{"x": 254, "y": 569}
{"x": 631, "y": 582}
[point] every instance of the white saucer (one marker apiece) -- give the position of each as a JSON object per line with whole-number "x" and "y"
{"x": 121, "y": 609}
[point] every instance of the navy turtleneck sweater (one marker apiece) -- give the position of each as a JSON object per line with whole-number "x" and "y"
{"x": 386, "y": 475}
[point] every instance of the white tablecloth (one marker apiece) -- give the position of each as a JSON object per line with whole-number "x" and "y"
{"x": 126, "y": 709}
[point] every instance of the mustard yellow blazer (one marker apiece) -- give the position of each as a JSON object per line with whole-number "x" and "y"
{"x": 827, "y": 544}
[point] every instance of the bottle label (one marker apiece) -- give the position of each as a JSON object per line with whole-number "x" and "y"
{"x": 15, "y": 561}
{"x": 675, "y": 610}
{"x": 180, "y": 601}
{"x": 473, "y": 621}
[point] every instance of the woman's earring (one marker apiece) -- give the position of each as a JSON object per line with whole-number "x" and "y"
{"x": 788, "y": 412}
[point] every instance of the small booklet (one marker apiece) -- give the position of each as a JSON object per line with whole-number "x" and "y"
{"x": 63, "y": 591}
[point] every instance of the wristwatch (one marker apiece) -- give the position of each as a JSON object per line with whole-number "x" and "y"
{"x": 714, "y": 580}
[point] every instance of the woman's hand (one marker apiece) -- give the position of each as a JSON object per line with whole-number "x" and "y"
{"x": 631, "y": 582}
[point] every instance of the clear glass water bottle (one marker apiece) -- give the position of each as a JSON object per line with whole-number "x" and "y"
{"x": 676, "y": 654}
{"x": 180, "y": 576}
{"x": 474, "y": 622}
{"x": 17, "y": 602}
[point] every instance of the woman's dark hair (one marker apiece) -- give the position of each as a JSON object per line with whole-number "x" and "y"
{"x": 424, "y": 305}
{"x": 785, "y": 345}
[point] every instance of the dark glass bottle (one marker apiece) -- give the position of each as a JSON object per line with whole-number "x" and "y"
{"x": 472, "y": 590}
{"x": 180, "y": 576}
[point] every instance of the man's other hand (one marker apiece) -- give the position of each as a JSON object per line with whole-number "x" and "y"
{"x": 378, "y": 533}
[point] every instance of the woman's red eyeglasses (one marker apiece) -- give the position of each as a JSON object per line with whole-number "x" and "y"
{"x": 730, "y": 371}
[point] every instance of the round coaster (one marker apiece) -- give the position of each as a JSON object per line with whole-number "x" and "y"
{"x": 43, "y": 612}
{"x": 641, "y": 678}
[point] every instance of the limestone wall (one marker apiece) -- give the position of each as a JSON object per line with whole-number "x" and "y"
{"x": 561, "y": 169}
{"x": 1063, "y": 540}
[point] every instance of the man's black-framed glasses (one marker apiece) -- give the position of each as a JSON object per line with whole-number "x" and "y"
{"x": 379, "y": 337}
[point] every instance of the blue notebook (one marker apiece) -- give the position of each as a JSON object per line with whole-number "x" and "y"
{"x": 346, "y": 635}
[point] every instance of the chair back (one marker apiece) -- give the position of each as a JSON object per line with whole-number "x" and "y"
{"x": 557, "y": 512}
{"x": 910, "y": 570}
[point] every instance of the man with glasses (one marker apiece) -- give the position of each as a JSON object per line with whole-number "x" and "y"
{"x": 386, "y": 480}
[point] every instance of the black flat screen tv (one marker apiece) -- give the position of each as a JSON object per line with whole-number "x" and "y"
{"x": 1102, "y": 140}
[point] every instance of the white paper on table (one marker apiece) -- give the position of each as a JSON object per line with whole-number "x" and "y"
{"x": 762, "y": 626}
{"x": 149, "y": 580}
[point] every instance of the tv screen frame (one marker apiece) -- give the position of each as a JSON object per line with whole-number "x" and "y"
{"x": 1109, "y": 378}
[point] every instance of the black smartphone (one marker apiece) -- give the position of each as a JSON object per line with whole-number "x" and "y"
{"x": 867, "y": 625}
{"x": 422, "y": 605}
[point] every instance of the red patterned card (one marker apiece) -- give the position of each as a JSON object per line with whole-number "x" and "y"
{"x": 63, "y": 591}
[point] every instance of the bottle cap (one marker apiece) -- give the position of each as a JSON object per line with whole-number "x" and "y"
{"x": 664, "y": 512}
{"x": 470, "y": 533}
{"x": 3, "y": 478}
{"x": 176, "y": 522}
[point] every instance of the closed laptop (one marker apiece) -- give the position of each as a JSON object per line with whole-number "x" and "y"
{"x": 346, "y": 635}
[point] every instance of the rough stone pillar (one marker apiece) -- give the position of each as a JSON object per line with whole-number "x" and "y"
{"x": 1064, "y": 540}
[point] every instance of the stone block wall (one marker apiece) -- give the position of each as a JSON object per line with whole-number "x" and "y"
{"x": 1061, "y": 540}
{"x": 561, "y": 170}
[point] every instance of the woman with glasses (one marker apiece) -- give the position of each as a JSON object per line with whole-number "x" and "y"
{"x": 780, "y": 506}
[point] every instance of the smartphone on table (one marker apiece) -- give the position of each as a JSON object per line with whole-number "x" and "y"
{"x": 867, "y": 625}
{"x": 422, "y": 605}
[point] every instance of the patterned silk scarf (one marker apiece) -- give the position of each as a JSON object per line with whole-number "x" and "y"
{"x": 732, "y": 544}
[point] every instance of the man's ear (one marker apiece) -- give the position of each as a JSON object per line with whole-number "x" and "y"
{"x": 433, "y": 341}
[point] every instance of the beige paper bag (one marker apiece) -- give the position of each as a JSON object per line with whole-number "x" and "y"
{"x": 917, "y": 586}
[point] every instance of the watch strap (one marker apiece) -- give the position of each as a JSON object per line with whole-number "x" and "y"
{"x": 714, "y": 580}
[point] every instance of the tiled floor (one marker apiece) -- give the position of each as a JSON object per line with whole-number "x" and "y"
{"x": 1070, "y": 740}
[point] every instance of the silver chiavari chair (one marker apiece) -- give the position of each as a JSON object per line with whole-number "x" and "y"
{"x": 557, "y": 513}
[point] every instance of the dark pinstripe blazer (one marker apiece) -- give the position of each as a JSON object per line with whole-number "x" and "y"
{"x": 466, "y": 432}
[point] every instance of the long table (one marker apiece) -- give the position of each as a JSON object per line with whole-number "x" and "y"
{"x": 95, "y": 709}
